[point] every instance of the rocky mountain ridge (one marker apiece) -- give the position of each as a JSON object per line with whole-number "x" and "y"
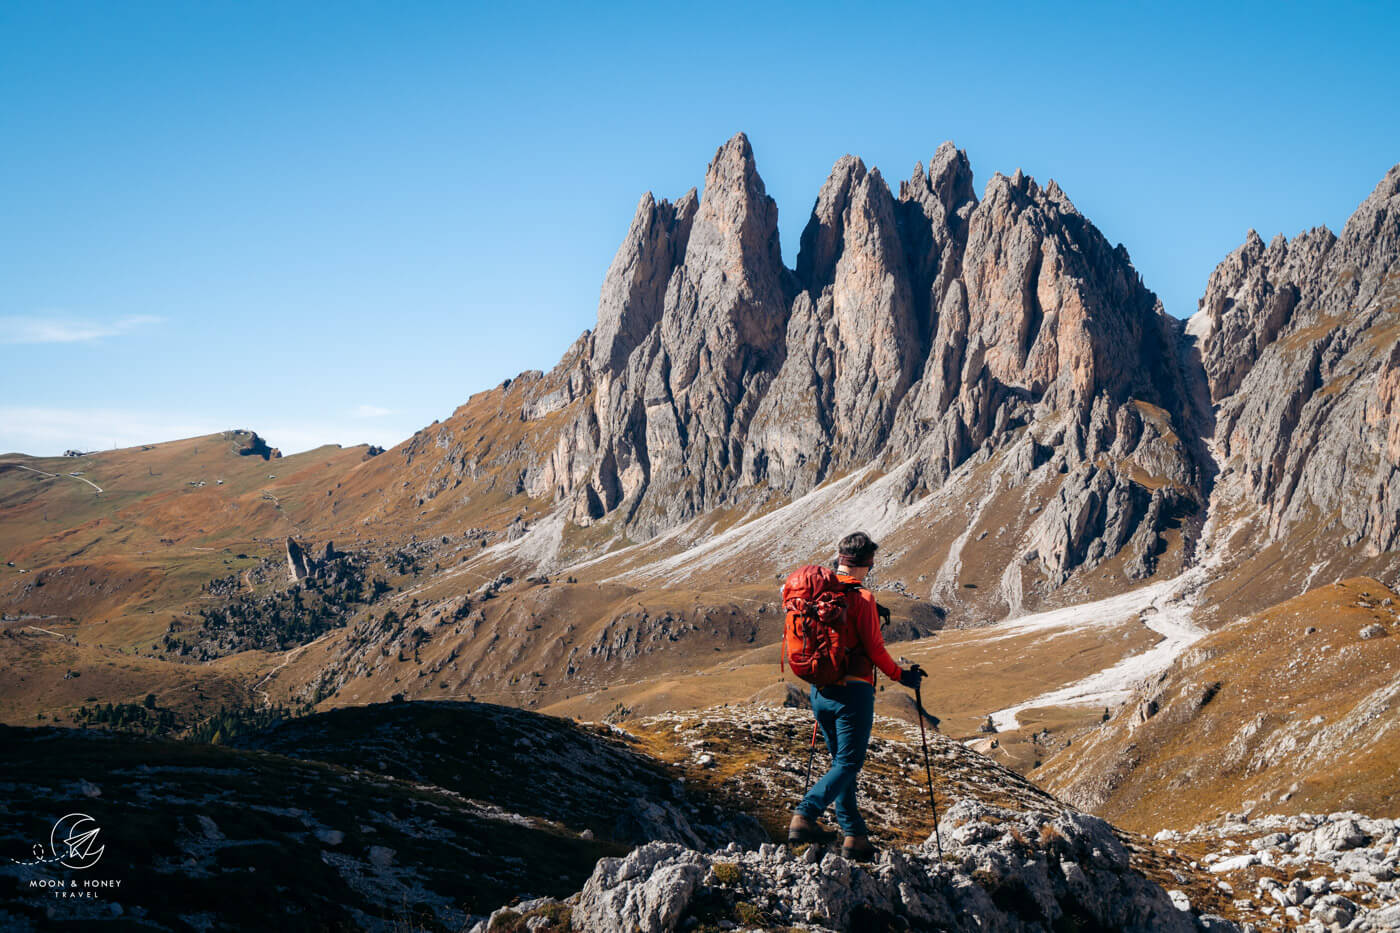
{"x": 914, "y": 332}
{"x": 1012, "y": 857}
{"x": 985, "y": 382}
{"x": 956, "y": 361}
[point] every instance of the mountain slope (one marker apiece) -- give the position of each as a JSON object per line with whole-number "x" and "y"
{"x": 201, "y": 835}
{"x": 1291, "y": 710}
{"x": 538, "y": 766}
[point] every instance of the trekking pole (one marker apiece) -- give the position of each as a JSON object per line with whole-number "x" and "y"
{"x": 811, "y": 753}
{"x": 928, "y": 769}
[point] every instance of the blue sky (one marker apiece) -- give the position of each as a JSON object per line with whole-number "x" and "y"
{"x": 334, "y": 222}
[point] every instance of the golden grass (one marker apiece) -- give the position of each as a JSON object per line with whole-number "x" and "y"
{"x": 1276, "y": 684}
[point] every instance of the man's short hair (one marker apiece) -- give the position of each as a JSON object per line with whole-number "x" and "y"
{"x": 857, "y": 550}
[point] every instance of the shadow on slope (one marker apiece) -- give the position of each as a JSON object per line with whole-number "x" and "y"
{"x": 527, "y": 763}
{"x": 203, "y": 835}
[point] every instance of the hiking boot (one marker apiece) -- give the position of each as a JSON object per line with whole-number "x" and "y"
{"x": 802, "y": 830}
{"x": 859, "y": 849}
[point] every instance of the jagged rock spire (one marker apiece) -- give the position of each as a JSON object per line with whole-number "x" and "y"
{"x": 635, "y": 286}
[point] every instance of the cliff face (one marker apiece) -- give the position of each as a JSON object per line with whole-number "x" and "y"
{"x": 1300, "y": 349}
{"x": 916, "y": 332}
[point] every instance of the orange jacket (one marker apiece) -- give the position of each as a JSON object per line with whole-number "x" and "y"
{"x": 863, "y": 664}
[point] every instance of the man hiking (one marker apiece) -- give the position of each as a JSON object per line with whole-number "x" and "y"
{"x": 840, "y": 660}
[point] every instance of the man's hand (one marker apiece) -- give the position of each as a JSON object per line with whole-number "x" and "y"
{"x": 912, "y": 676}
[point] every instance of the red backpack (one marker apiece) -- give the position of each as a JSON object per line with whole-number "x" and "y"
{"x": 819, "y": 632}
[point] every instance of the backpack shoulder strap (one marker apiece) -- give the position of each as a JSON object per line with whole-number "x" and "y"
{"x": 853, "y": 589}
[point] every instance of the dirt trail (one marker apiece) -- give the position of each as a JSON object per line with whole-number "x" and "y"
{"x": 46, "y": 473}
{"x": 1163, "y": 607}
{"x": 291, "y": 656}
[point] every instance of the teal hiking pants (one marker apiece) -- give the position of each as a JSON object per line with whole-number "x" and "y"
{"x": 845, "y": 713}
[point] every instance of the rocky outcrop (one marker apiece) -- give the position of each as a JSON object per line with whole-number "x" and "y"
{"x": 1383, "y": 418}
{"x": 1299, "y": 346}
{"x": 1000, "y": 870}
{"x": 1249, "y": 297}
{"x": 298, "y": 565}
{"x": 854, "y": 340}
{"x": 1006, "y": 856}
{"x": 251, "y": 445}
{"x": 634, "y": 290}
{"x": 872, "y": 270}
{"x": 1045, "y": 314}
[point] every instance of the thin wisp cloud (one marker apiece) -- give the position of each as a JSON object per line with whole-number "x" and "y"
{"x": 40, "y": 328}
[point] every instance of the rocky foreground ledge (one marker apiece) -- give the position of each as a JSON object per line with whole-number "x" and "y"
{"x": 1014, "y": 858}
{"x": 1313, "y": 872}
{"x": 1001, "y": 870}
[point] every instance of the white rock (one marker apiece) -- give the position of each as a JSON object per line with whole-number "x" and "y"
{"x": 1339, "y": 836}
{"x": 1235, "y": 863}
{"x": 1334, "y": 911}
{"x": 646, "y": 891}
{"x": 209, "y": 828}
{"x": 1271, "y": 841}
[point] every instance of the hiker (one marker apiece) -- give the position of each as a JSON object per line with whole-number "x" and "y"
{"x": 843, "y": 693}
